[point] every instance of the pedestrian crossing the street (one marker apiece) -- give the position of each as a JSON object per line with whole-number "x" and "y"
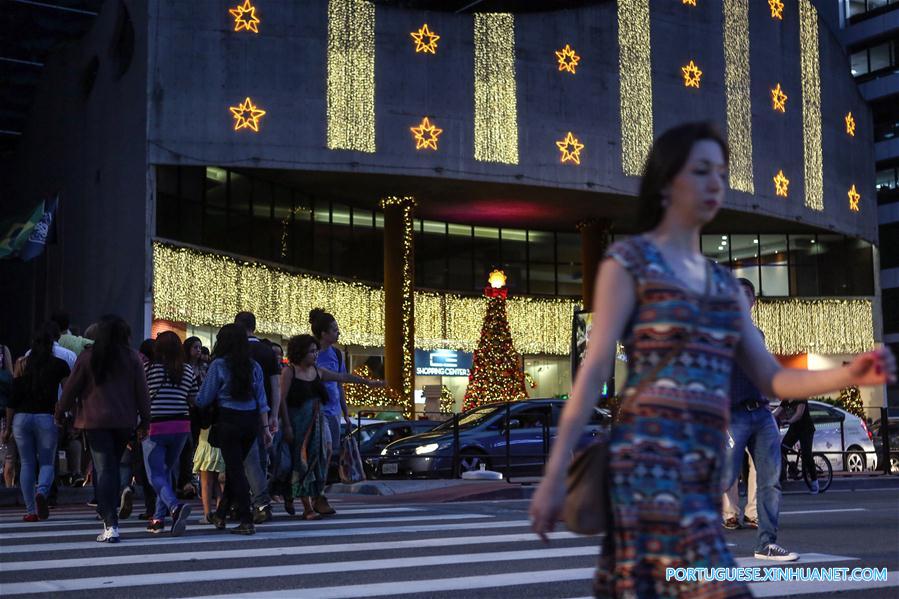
{"x": 366, "y": 550}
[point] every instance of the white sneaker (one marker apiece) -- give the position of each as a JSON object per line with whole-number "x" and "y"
{"x": 110, "y": 534}
{"x": 775, "y": 553}
{"x": 815, "y": 489}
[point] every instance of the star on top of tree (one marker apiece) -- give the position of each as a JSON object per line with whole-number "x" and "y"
{"x": 245, "y": 17}
{"x": 426, "y": 135}
{"x": 567, "y": 59}
{"x": 421, "y": 45}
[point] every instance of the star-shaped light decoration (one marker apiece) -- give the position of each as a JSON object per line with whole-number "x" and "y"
{"x": 567, "y": 59}
{"x": 850, "y": 124}
{"x": 245, "y": 17}
{"x": 570, "y": 148}
{"x": 854, "y": 197}
{"x": 425, "y": 40}
{"x": 778, "y": 99}
{"x": 777, "y": 9}
{"x": 690, "y": 2}
{"x": 426, "y": 135}
{"x": 691, "y": 75}
{"x": 246, "y": 115}
{"x": 781, "y": 184}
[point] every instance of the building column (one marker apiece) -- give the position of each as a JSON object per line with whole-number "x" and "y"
{"x": 596, "y": 235}
{"x": 399, "y": 300}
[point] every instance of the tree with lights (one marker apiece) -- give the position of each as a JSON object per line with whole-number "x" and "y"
{"x": 496, "y": 373}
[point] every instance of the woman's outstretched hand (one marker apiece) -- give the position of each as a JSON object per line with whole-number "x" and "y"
{"x": 876, "y": 367}
{"x": 546, "y": 506}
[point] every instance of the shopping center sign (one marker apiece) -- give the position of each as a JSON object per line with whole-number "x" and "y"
{"x": 442, "y": 362}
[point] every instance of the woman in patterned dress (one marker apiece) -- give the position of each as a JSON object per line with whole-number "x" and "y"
{"x": 659, "y": 295}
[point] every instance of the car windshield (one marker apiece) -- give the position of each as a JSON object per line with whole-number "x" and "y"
{"x": 470, "y": 418}
{"x": 367, "y": 432}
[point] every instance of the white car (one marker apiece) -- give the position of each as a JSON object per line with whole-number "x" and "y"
{"x": 859, "y": 443}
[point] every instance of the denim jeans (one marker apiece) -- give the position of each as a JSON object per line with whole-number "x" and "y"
{"x": 255, "y": 471}
{"x": 107, "y": 447}
{"x": 161, "y": 457}
{"x": 332, "y": 421}
{"x": 757, "y": 431}
{"x": 36, "y": 439}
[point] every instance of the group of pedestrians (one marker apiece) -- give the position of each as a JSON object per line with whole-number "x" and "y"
{"x": 165, "y": 408}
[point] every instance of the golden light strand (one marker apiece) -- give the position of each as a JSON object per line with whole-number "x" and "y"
{"x": 351, "y": 75}
{"x": 737, "y": 90}
{"x": 821, "y": 326}
{"x": 635, "y": 66}
{"x": 811, "y": 105}
{"x": 495, "y": 89}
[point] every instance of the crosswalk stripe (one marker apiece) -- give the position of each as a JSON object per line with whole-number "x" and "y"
{"x": 434, "y": 585}
{"x": 221, "y": 537}
{"x": 779, "y": 589}
{"x": 28, "y": 526}
{"x": 55, "y": 534}
{"x": 281, "y": 571}
{"x": 804, "y": 558}
{"x": 793, "y": 513}
{"x": 242, "y": 552}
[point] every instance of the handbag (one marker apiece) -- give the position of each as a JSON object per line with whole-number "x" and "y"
{"x": 350, "y": 463}
{"x": 588, "y": 504}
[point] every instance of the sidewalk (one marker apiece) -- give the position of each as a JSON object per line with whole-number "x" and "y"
{"x": 443, "y": 490}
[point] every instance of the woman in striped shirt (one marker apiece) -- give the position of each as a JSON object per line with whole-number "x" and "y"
{"x": 173, "y": 388}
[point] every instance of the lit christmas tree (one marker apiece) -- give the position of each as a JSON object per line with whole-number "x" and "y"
{"x": 496, "y": 373}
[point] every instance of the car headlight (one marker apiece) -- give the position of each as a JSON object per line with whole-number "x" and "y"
{"x": 429, "y": 448}
{"x": 384, "y": 451}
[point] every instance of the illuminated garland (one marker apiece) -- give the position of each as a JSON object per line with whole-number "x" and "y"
{"x": 634, "y": 66}
{"x": 203, "y": 288}
{"x": 821, "y": 326}
{"x": 737, "y": 90}
{"x": 351, "y": 75}
{"x": 811, "y": 105}
{"x": 495, "y": 90}
{"x": 363, "y": 396}
{"x": 407, "y": 205}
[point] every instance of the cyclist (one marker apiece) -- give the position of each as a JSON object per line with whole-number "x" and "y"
{"x": 801, "y": 428}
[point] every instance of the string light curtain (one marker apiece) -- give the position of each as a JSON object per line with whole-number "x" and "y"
{"x": 737, "y": 92}
{"x": 635, "y": 71}
{"x": 820, "y": 326}
{"x": 351, "y": 75}
{"x": 495, "y": 89}
{"x": 811, "y": 105}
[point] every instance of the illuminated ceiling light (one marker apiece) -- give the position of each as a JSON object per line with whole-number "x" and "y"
{"x": 724, "y": 237}
{"x": 781, "y": 184}
{"x": 497, "y": 279}
{"x": 426, "y": 135}
{"x": 777, "y": 9}
{"x": 567, "y": 59}
{"x": 245, "y": 17}
{"x": 425, "y": 40}
{"x": 691, "y": 75}
{"x": 246, "y": 115}
{"x": 854, "y": 197}
{"x": 850, "y": 124}
{"x": 778, "y": 99}
{"x": 570, "y": 148}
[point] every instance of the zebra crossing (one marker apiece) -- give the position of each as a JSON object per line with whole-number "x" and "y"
{"x": 366, "y": 550}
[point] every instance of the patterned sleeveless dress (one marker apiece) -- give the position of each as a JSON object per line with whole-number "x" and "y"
{"x": 668, "y": 446}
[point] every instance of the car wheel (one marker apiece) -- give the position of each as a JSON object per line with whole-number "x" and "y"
{"x": 855, "y": 461}
{"x": 471, "y": 460}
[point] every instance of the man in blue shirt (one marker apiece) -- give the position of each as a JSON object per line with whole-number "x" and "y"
{"x": 752, "y": 425}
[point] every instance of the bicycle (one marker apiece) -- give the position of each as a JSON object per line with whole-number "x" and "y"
{"x": 794, "y": 470}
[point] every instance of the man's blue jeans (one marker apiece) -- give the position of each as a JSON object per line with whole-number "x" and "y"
{"x": 36, "y": 439}
{"x": 757, "y": 431}
{"x": 162, "y": 455}
{"x": 255, "y": 469}
{"x": 107, "y": 447}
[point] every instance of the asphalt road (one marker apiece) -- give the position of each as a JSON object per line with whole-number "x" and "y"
{"x": 481, "y": 549}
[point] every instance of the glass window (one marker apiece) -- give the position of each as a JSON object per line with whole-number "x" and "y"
{"x": 300, "y": 241}
{"x": 216, "y": 179}
{"x": 431, "y": 258}
{"x": 879, "y": 56}
{"x": 486, "y": 253}
{"x": 514, "y": 245}
{"x": 570, "y": 280}
{"x": 432, "y": 226}
{"x": 860, "y": 271}
{"x": 774, "y": 261}
{"x": 321, "y": 255}
{"x": 568, "y": 247}
{"x": 716, "y": 248}
{"x": 516, "y": 276}
{"x": 745, "y": 252}
{"x": 362, "y": 219}
{"x": 832, "y": 264}
{"x": 461, "y": 273}
{"x": 340, "y": 214}
{"x": 542, "y": 246}
{"x": 542, "y": 279}
{"x": 859, "y": 62}
{"x": 804, "y": 265}
{"x": 885, "y": 179}
{"x": 854, "y": 7}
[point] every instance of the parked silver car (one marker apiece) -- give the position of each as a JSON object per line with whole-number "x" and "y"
{"x": 856, "y": 438}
